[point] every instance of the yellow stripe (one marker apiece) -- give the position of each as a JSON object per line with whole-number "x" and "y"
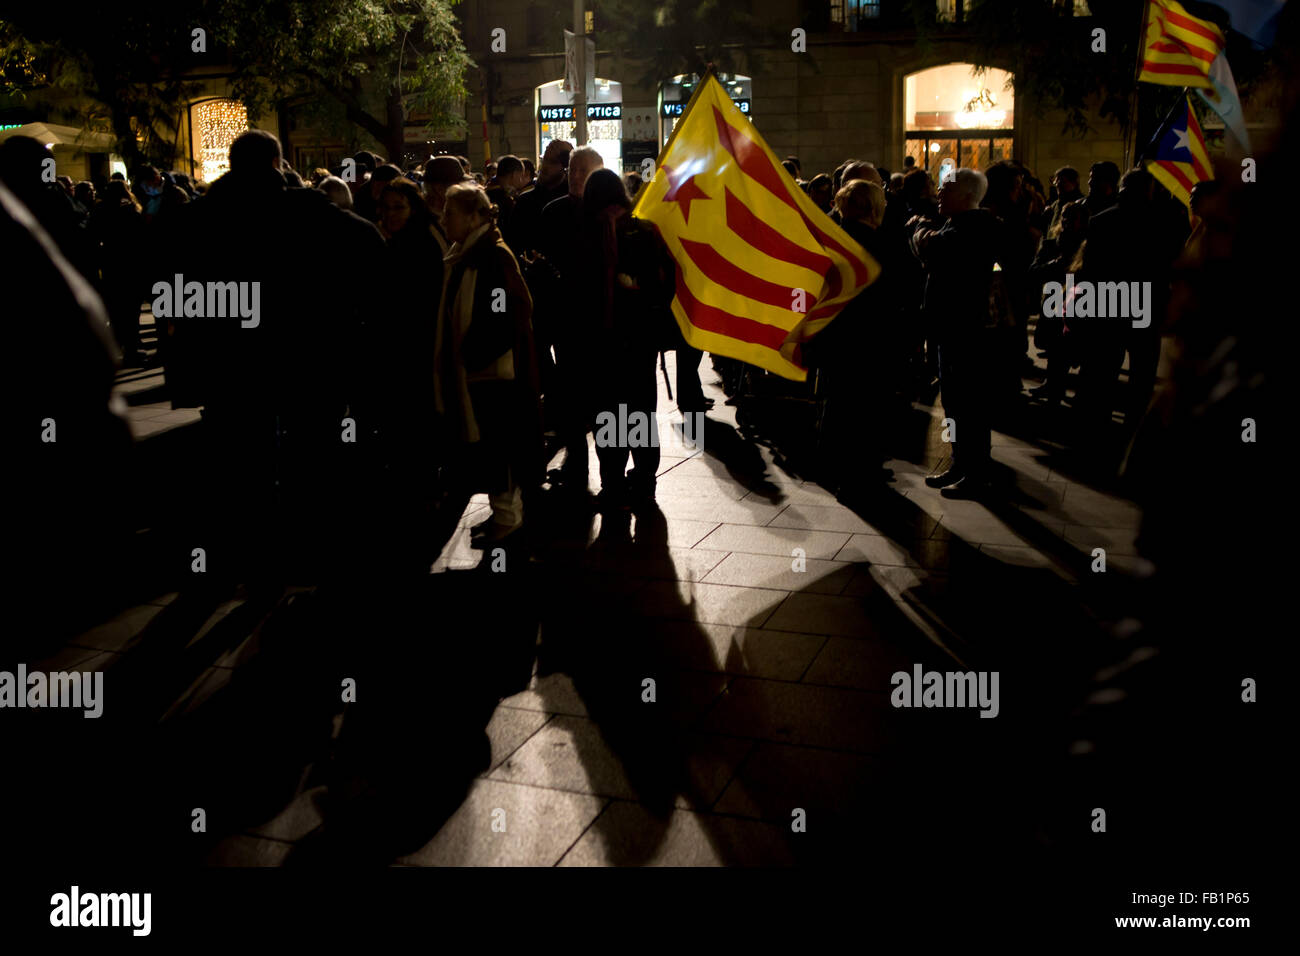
{"x": 745, "y": 351}
{"x": 1170, "y": 183}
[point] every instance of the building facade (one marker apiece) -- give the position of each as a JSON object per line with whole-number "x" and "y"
{"x": 863, "y": 89}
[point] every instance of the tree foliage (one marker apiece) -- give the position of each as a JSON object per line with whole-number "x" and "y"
{"x": 380, "y": 60}
{"x": 684, "y": 36}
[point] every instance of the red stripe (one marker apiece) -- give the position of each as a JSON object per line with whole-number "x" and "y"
{"x": 1173, "y": 170}
{"x": 1180, "y": 50}
{"x": 1177, "y": 69}
{"x": 1196, "y": 136}
{"x": 754, "y": 164}
{"x": 1192, "y": 26}
{"x": 770, "y": 242}
{"x": 835, "y": 285}
{"x": 709, "y": 318}
{"x": 730, "y": 276}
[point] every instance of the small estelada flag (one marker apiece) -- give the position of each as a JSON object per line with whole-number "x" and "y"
{"x": 1178, "y": 48}
{"x": 760, "y": 269}
{"x": 1177, "y": 156}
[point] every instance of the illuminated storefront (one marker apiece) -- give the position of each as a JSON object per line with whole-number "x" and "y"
{"x": 955, "y": 117}
{"x": 555, "y": 119}
{"x": 674, "y": 94}
{"x": 216, "y": 124}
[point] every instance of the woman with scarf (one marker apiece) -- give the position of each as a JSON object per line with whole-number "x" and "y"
{"x": 628, "y": 283}
{"x": 485, "y": 371}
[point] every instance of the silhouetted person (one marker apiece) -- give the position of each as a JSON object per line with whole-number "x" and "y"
{"x": 118, "y": 226}
{"x": 959, "y": 258}
{"x": 25, "y": 167}
{"x": 275, "y": 375}
{"x": 628, "y": 283}
{"x": 562, "y": 245}
{"x": 485, "y": 370}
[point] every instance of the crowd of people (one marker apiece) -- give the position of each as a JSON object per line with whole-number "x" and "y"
{"x": 470, "y": 325}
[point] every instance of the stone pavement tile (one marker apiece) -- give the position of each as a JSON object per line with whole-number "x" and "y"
{"x": 141, "y": 430}
{"x": 216, "y": 617}
{"x": 70, "y": 657}
{"x": 822, "y": 518}
{"x": 707, "y": 603}
{"x": 877, "y": 549}
{"x": 1129, "y": 564}
{"x": 627, "y": 834}
{"x": 676, "y": 564}
{"x": 685, "y": 695}
{"x": 805, "y": 494}
{"x": 295, "y": 821}
{"x": 1021, "y": 557}
{"x": 778, "y": 571}
{"x": 509, "y": 728}
{"x": 178, "y": 416}
{"x": 569, "y": 753}
{"x": 540, "y": 825}
{"x": 886, "y": 552}
{"x": 550, "y": 693}
{"x": 707, "y": 465}
{"x": 867, "y": 582}
{"x": 667, "y": 463}
{"x": 1036, "y": 496}
{"x": 985, "y": 529}
{"x": 204, "y": 688}
{"x": 779, "y": 655}
{"x": 929, "y": 502}
{"x": 458, "y": 554}
{"x": 823, "y": 614}
{"x": 687, "y": 533}
{"x": 706, "y": 509}
{"x": 807, "y": 714}
{"x": 854, "y": 662}
{"x": 248, "y": 851}
{"x": 1084, "y": 506}
{"x": 782, "y": 541}
{"x": 1028, "y": 463}
{"x": 1114, "y": 540}
{"x": 121, "y": 632}
{"x": 711, "y": 762}
{"x": 698, "y": 486}
{"x": 777, "y": 778}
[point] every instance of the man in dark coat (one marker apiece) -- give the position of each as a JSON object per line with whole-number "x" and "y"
{"x": 275, "y": 377}
{"x": 562, "y": 247}
{"x": 959, "y": 258}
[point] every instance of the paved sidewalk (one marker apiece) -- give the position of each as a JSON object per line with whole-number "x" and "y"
{"x": 778, "y": 615}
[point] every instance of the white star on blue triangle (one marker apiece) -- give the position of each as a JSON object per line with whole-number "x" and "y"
{"x": 1175, "y": 140}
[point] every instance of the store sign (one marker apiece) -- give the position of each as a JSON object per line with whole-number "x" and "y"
{"x": 676, "y": 109}
{"x": 564, "y": 114}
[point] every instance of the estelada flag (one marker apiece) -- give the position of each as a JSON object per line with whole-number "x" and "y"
{"x": 760, "y": 269}
{"x": 1177, "y": 156}
{"x": 1178, "y": 48}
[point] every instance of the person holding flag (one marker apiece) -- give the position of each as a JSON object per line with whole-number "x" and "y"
{"x": 760, "y": 268}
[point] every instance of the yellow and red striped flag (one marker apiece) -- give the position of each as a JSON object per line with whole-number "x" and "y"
{"x": 760, "y": 269}
{"x": 1179, "y": 48}
{"x": 1177, "y": 156}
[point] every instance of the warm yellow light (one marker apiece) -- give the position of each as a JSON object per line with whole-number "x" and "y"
{"x": 219, "y": 122}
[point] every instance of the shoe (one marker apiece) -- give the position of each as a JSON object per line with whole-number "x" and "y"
{"x": 966, "y": 489}
{"x": 949, "y": 477}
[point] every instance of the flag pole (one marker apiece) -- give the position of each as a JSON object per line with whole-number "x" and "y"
{"x": 1137, "y": 85}
{"x": 1181, "y": 101}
